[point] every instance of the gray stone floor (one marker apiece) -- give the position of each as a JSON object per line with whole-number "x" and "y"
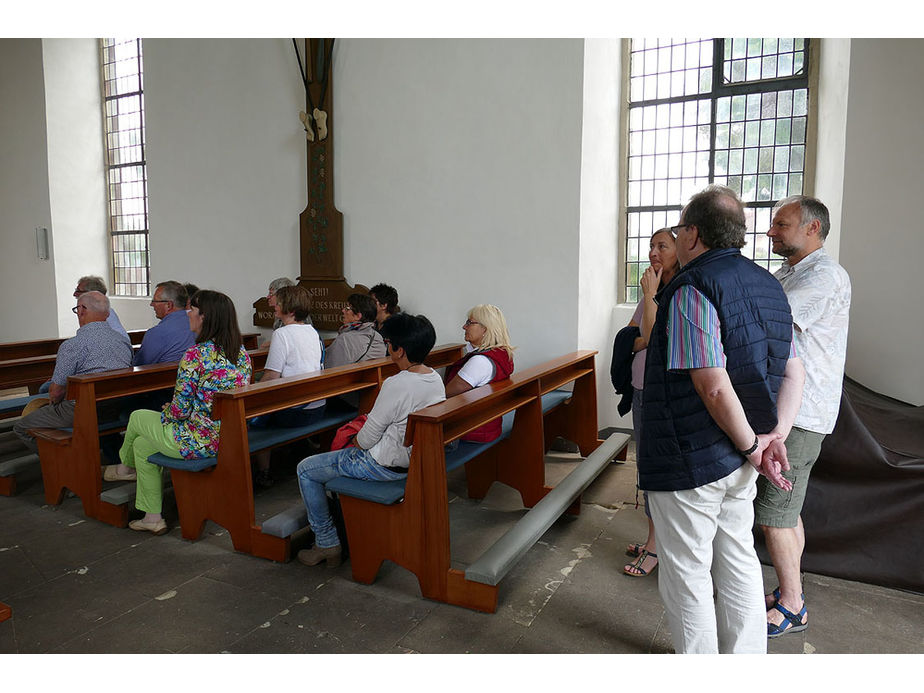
{"x": 79, "y": 586}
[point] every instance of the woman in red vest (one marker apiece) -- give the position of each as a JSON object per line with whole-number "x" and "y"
{"x": 489, "y": 358}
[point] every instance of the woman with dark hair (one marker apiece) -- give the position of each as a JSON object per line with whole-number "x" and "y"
{"x": 663, "y": 266}
{"x": 379, "y": 453}
{"x": 295, "y": 350}
{"x": 488, "y": 359}
{"x": 184, "y": 429}
{"x": 386, "y": 303}
{"x": 357, "y": 339}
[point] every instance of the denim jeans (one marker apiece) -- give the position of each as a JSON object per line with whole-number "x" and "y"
{"x": 315, "y": 471}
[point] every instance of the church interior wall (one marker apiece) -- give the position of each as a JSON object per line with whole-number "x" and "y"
{"x": 882, "y": 243}
{"x": 24, "y": 197}
{"x": 76, "y": 174}
{"x": 457, "y": 169}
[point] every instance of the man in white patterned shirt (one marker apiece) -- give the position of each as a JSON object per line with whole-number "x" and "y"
{"x": 818, "y": 290}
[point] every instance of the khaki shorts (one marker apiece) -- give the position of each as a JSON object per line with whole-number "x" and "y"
{"x": 775, "y": 507}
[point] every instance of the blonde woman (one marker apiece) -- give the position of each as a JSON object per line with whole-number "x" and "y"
{"x": 489, "y": 358}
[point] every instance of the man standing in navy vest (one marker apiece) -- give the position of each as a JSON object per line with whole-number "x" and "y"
{"x": 722, "y": 387}
{"x": 818, "y": 290}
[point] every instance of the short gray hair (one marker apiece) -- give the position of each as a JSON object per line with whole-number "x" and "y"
{"x": 95, "y": 301}
{"x": 277, "y": 284}
{"x": 812, "y": 209}
{"x": 92, "y": 283}
{"x": 173, "y": 291}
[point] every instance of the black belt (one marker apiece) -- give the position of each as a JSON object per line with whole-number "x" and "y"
{"x": 396, "y": 470}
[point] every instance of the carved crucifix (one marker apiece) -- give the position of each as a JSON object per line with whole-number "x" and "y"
{"x": 320, "y": 224}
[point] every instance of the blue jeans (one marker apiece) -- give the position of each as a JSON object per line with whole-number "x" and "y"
{"x": 315, "y": 471}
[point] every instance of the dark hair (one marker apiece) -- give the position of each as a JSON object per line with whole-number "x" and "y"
{"x": 190, "y": 289}
{"x": 294, "y": 299}
{"x": 219, "y": 322}
{"x": 386, "y": 295}
{"x": 717, "y": 214}
{"x": 364, "y": 305}
{"x": 413, "y": 333}
{"x": 175, "y": 292}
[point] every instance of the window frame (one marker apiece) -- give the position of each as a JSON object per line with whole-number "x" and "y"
{"x": 808, "y": 80}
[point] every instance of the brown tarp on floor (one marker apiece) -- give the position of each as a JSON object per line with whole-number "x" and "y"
{"x": 864, "y": 509}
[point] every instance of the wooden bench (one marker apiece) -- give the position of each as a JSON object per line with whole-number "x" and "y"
{"x": 220, "y": 488}
{"x": 49, "y": 347}
{"x": 5, "y": 612}
{"x": 70, "y": 458}
{"x": 407, "y": 521}
{"x": 30, "y": 364}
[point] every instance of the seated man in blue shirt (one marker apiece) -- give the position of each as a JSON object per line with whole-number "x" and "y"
{"x": 95, "y": 348}
{"x": 171, "y": 337}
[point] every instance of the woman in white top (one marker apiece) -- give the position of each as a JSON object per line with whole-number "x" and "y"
{"x": 379, "y": 453}
{"x": 295, "y": 350}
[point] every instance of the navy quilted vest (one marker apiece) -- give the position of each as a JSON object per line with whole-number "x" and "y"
{"x": 681, "y": 446}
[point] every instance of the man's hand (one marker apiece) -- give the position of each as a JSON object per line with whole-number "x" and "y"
{"x": 56, "y": 393}
{"x": 770, "y": 459}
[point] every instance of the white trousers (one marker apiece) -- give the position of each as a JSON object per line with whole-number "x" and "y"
{"x": 708, "y": 573}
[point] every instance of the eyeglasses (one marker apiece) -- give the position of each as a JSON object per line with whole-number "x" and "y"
{"x": 159, "y": 300}
{"x": 78, "y": 292}
{"x": 78, "y": 307}
{"x": 469, "y": 323}
{"x": 674, "y": 229}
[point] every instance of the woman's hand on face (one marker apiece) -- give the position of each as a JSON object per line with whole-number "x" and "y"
{"x": 651, "y": 278}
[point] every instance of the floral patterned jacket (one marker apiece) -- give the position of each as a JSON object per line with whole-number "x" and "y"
{"x": 202, "y": 372}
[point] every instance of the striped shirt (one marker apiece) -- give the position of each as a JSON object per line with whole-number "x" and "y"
{"x": 694, "y": 333}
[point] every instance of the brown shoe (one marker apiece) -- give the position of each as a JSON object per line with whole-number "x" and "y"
{"x": 316, "y": 554}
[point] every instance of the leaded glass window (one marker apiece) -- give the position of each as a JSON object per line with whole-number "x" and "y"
{"x": 731, "y": 111}
{"x": 126, "y": 170}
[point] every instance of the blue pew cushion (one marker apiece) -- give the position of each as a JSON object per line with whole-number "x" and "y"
{"x": 390, "y": 492}
{"x": 259, "y": 439}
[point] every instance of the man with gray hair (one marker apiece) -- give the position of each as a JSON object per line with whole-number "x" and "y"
{"x": 96, "y": 347}
{"x": 818, "y": 290}
{"x": 94, "y": 283}
{"x": 171, "y": 337}
{"x": 722, "y": 386}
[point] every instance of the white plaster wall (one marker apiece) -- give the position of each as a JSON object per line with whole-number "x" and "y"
{"x": 226, "y": 164}
{"x": 76, "y": 171}
{"x": 24, "y": 202}
{"x": 881, "y": 242}
{"x": 598, "y": 273}
{"x": 457, "y": 170}
{"x": 833, "y": 81}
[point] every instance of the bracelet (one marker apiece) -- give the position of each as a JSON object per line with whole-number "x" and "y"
{"x": 750, "y": 449}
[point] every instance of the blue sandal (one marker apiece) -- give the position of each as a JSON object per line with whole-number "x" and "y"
{"x": 637, "y": 565}
{"x": 792, "y": 623}
{"x": 776, "y": 598}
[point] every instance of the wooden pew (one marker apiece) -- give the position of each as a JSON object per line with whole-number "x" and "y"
{"x": 220, "y": 489}
{"x": 407, "y": 521}
{"x": 22, "y": 364}
{"x": 71, "y": 459}
{"x": 5, "y": 612}
{"x": 49, "y": 347}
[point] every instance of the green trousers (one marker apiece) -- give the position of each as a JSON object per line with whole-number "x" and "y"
{"x": 145, "y": 436}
